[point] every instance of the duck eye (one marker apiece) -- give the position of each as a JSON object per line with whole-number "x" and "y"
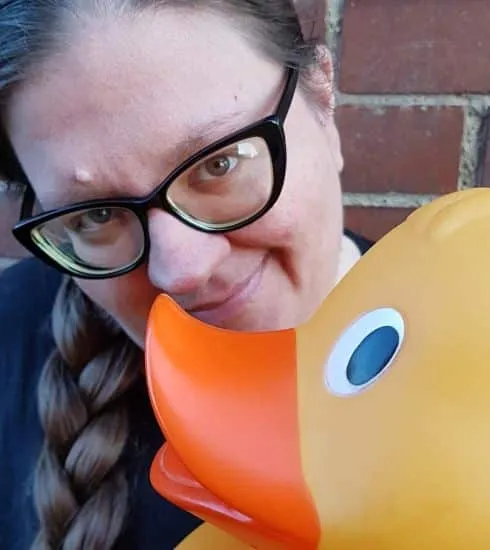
{"x": 364, "y": 351}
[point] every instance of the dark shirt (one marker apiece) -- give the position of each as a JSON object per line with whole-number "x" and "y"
{"x": 27, "y": 292}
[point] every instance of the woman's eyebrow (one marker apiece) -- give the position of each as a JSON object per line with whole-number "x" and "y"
{"x": 195, "y": 139}
{"x": 205, "y": 134}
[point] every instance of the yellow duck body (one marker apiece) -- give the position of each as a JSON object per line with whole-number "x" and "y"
{"x": 367, "y": 427}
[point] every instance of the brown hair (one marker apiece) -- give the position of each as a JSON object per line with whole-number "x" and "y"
{"x": 81, "y": 492}
{"x": 80, "y": 489}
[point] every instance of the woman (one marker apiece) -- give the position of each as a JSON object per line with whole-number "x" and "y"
{"x": 151, "y": 139}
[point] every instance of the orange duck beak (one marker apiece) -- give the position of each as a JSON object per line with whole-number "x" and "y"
{"x": 229, "y": 398}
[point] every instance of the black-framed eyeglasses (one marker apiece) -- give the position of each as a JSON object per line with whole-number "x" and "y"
{"x": 222, "y": 188}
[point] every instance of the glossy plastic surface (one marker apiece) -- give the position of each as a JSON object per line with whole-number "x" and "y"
{"x": 369, "y": 424}
{"x": 228, "y": 406}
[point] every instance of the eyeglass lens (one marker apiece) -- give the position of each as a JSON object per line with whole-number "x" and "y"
{"x": 227, "y": 187}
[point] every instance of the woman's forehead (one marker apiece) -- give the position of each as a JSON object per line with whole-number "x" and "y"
{"x": 179, "y": 59}
{"x": 159, "y": 87}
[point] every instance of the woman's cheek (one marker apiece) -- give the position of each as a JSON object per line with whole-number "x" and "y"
{"x": 128, "y": 299}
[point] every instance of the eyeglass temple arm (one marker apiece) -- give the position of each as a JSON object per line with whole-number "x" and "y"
{"x": 28, "y": 197}
{"x": 18, "y": 176}
{"x": 287, "y": 98}
{"x": 27, "y": 202}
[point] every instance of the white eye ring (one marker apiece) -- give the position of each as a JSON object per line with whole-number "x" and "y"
{"x": 386, "y": 320}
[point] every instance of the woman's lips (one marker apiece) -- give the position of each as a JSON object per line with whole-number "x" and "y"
{"x": 217, "y": 313}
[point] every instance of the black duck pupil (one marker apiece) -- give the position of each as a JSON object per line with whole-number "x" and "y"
{"x": 101, "y": 215}
{"x": 372, "y": 355}
{"x": 219, "y": 166}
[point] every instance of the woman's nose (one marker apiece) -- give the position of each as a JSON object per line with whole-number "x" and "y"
{"x": 182, "y": 259}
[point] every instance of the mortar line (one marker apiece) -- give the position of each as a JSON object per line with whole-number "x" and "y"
{"x": 470, "y": 149}
{"x": 482, "y": 152}
{"x": 334, "y": 17}
{"x": 388, "y": 200}
{"x": 414, "y": 100}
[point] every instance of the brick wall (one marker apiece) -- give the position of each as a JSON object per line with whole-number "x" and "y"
{"x": 413, "y": 94}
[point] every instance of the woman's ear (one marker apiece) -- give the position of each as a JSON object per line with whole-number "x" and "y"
{"x": 319, "y": 81}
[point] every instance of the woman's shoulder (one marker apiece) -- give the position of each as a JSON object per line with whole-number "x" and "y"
{"x": 362, "y": 243}
{"x": 27, "y": 293}
{"x": 353, "y": 246}
{"x": 27, "y": 287}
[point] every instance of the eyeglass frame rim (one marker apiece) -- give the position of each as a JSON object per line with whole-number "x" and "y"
{"x": 270, "y": 128}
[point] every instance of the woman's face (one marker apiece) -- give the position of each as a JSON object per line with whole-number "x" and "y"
{"x": 108, "y": 117}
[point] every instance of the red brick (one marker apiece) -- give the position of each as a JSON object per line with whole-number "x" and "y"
{"x": 9, "y": 212}
{"x": 409, "y": 150}
{"x": 373, "y": 223}
{"x": 429, "y": 46}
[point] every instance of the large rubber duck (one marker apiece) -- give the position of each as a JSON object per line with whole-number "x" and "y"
{"x": 366, "y": 428}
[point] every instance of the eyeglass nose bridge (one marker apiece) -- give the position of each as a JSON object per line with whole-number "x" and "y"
{"x": 158, "y": 201}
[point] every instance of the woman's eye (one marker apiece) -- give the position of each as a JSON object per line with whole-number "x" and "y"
{"x": 225, "y": 162}
{"x": 101, "y": 215}
{"x": 91, "y": 220}
{"x": 217, "y": 167}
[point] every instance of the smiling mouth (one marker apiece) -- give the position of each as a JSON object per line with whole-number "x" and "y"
{"x": 218, "y": 312}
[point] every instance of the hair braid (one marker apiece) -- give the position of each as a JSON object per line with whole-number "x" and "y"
{"x": 80, "y": 489}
